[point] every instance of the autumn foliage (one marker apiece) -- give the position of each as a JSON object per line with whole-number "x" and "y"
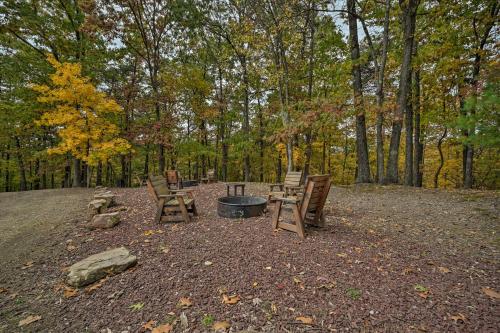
{"x": 80, "y": 115}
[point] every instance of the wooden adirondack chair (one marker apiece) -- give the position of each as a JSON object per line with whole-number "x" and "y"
{"x": 210, "y": 178}
{"x": 308, "y": 209}
{"x": 174, "y": 179}
{"x": 291, "y": 186}
{"x": 173, "y": 205}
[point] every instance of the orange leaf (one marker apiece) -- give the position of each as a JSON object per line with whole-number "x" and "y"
{"x": 149, "y": 325}
{"x": 230, "y": 299}
{"x": 221, "y": 325}
{"x": 444, "y": 270}
{"x": 184, "y": 302}
{"x": 490, "y": 292}
{"x": 167, "y": 328}
{"x": 96, "y": 285}
{"x": 70, "y": 292}
{"x": 305, "y": 320}
{"x": 458, "y": 317}
{"x": 3, "y": 290}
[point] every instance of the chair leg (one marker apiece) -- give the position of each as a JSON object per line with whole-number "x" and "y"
{"x": 299, "y": 223}
{"x": 159, "y": 211}
{"x": 183, "y": 208}
{"x": 276, "y": 215}
{"x": 193, "y": 207}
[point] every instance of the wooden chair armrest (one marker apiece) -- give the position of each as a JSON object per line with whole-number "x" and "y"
{"x": 289, "y": 200}
{"x": 168, "y": 196}
{"x": 272, "y": 186}
{"x": 185, "y": 191}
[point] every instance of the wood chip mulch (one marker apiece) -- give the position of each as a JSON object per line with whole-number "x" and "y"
{"x": 343, "y": 277}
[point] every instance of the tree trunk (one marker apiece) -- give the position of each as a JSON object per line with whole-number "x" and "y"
{"x": 441, "y": 156}
{"x": 246, "y": 117}
{"x": 7, "y": 170}
{"x": 310, "y": 79}
{"x": 98, "y": 180}
{"x": 20, "y": 163}
{"x": 418, "y": 145}
{"x": 261, "y": 140}
{"x": 77, "y": 173}
{"x": 362, "y": 158}
{"x": 408, "y": 179}
{"x": 380, "y": 96}
{"x": 145, "y": 170}
{"x": 67, "y": 173}
{"x": 409, "y": 9}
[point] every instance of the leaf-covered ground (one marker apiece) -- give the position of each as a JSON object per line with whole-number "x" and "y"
{"x": 389, "y": 259}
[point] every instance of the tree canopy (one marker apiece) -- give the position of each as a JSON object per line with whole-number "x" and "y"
{"x": 366, "y": 91}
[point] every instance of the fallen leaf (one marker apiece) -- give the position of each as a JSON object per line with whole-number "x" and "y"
{"x": 458, "y": 317}
{"x": 136, "y": 306}
{"x": 149, "y": 232}
{"x": 27, "y": 264}
{"x": 255, "y": 284}
{"x": 424, "y": 294}
{"x": 342, "y": 255}
{"x": 167, "y": 328}
{"x": 184, "y": 302}
{"x": 208, "y": 263}
{"x": 274, "y": 308}
{"x": 420, "y": 288}
{"x": 95, "y": 286}
{"x": 70, "y": 292}
{"x": 70, "y": 247}
{"x": 444, "y": 270}
{"x": 305, "y": 320}
{"x": 296, "y": 280}
{"x": 490, "y": 292}
{"x": 149, "y": 325}
{"x": 221, "y": 325}
{"x": 3, "y": 290}
{"x": 269, "y": 268}
{"x": 230, "y": 299}
{"x": 28, "y": 320}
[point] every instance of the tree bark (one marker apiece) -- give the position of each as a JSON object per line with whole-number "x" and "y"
{"x": 362, "y": 158}
{"x": 77, "y": 173}
{"x": 7, "y": 170}
{"x": 310, "y": 79}
{"x": 441, "y": 156}
{"x": 380, "y": 96}
{"x": 20, "y": 163}
{"x": 409, "y": 9}
{"x": 418, "y": 145}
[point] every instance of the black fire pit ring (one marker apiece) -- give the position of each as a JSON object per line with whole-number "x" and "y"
{"x": 241, "y": 206}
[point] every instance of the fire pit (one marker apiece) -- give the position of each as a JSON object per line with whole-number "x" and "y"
{"x": 241, "y": 206}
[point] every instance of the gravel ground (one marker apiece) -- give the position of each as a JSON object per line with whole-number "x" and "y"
{"x": 389, "y": 259}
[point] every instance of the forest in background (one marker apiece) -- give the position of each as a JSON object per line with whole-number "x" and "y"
{"x": 108, "y": 91}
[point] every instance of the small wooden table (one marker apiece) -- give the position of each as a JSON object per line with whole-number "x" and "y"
{"x": 235, "y": 188}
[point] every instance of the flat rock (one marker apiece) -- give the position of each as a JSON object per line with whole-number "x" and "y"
{"x": 108, "y": 196}
{"x": 104, "y": 221}
{"x": 100, "y": 265}
{"x": 97, "y": 206}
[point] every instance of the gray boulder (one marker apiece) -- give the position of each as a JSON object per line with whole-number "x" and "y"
{"x": 104, "y": 221}
{"x": 100, "y": 265}
{"x": 108, "y": 196}
{"x": 97, "y": 206}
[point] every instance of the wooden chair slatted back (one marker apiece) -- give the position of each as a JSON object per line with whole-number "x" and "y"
{"x": 211, "y": 174}
{"x": 293, "y": 178}
{"x": 157, "y": 186}
{"x": 315, "y": 194}
{"x": 172, "y": 176}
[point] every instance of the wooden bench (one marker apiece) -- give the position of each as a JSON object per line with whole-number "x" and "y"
{"x": 290, "y": 187}
{"x": 210, "y": 178}
{"x": 174, "y": 179}
{"x": 308, "y": 209}
{"x": 173, "y": 205}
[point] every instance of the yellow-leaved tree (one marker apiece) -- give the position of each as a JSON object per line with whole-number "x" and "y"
{"x": 81, "y": 115}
